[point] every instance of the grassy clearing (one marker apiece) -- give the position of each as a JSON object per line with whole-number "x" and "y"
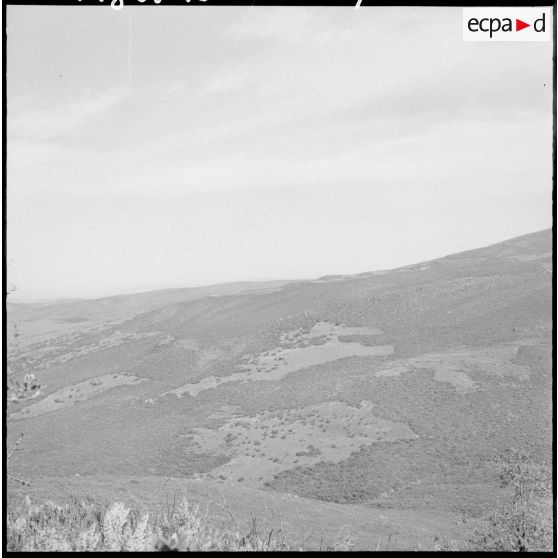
{"x": 75, "y": 393}
{"x": 261, "y": 446}
{"x": 298, "y": 350}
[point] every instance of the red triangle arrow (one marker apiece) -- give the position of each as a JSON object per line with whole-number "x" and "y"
{"x": 519, "y": 25}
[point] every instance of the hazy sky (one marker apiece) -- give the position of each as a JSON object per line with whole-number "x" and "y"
{"x": 179, "y": 146}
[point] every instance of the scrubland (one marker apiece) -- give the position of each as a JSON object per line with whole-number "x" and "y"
{"x": 382, "y": 401}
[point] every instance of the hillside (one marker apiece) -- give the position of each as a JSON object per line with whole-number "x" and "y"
{"x": 378, "y": 400}
{"x": 39, "y": 321}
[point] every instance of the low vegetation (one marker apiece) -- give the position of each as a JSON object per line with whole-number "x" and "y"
{"x": 86, "y": 525}
{"x": 468, "y": 374}
{"x": 523, "y": 523}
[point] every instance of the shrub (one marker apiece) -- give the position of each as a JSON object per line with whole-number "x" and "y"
{"x": 83, "y": 524}
{"x": 525, "y": 523}
{"x": 29, "y": 388}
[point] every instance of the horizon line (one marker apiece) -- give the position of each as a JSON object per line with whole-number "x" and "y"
{"x": 70, "y": 299}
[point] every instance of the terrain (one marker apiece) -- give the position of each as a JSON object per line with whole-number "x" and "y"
{"x": 378, "y": 401}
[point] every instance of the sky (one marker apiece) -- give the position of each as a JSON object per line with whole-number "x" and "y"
{"x": 157, "y": 147}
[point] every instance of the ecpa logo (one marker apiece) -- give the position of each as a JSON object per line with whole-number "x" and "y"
{"x": 507, "y": 24}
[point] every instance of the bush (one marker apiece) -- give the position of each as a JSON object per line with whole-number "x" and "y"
{"x": 81, "y": 525}
{"x": 27, "y": 389}
{"x": 525, "y": 523}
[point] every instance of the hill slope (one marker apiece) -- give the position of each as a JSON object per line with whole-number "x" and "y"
{"x": 391, "y": 389}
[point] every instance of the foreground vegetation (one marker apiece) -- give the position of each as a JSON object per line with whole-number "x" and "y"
{"x": 524, "y": 523}
{"x": 87, "y": 525}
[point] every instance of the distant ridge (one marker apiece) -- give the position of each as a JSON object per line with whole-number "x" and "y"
{"x": 126, "y": 305}
{"x": 524, "y": 242}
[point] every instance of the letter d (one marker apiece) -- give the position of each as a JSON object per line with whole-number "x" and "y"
{"x": 542, "y": 21}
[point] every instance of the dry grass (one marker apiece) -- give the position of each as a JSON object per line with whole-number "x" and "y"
{"x": 86, "y": 525}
